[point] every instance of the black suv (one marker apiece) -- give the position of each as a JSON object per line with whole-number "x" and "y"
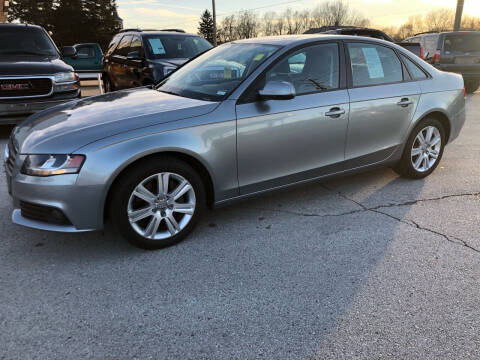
{"x": 138, "y": 58}
{"x": 457, "y": 51}
{"x": 33, "y": 75}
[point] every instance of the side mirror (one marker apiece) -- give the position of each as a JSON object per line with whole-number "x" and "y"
{"x": 133, "y": 55}
{"x": 69, "y": 51}
{"x": 277, "y": 90}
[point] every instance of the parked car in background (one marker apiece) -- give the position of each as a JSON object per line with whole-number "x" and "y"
{"x": 413, "y": 47}
{"x": 457, "y": 52}
{"x": 33, "y": 75}
{"x": 138, "y": 58}
{"x": 284, "y": 110}
{"x": 87, "y": 59}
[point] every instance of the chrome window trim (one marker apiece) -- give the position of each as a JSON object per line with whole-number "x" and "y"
{"x": 23, "y": 77}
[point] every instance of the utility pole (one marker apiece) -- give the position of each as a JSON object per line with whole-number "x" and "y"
{"x": 215, "y": 23}
{"x": 458, "y": 15}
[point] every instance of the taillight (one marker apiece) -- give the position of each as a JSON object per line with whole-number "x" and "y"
{"x": 436, "y": 57}
{"x": 464, "y": 93}
{"x": 421, "y": 52}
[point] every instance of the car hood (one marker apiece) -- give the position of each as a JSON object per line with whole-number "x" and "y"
{"x": 31, "y": 65}
{"x": 66, "y": 128}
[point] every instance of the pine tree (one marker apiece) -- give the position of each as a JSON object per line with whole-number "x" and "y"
{"x": 205, "y": 27}
{"x": 70, "y": 21}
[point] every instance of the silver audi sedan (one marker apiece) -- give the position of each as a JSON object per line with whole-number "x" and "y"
{"x": 243, "y": 118}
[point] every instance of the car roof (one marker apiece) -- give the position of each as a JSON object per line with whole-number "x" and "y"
{"x": 286, "y": 40}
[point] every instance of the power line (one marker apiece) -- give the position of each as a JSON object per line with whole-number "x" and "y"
{"x": 234, "y": 12}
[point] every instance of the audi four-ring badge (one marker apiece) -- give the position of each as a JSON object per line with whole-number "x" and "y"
{"x": 243, "y": 118}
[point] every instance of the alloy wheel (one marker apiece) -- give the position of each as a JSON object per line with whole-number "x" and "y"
{"x": 161, "y": 206}
{"x": 426, "y": 148}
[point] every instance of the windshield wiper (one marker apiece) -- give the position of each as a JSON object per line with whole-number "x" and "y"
{"x": 168, "y": 92}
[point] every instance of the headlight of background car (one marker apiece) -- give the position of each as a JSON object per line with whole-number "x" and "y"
{"x": 168, "y": 69}
{"x": 65, "y": 81}
{"x": 48, "y": 165}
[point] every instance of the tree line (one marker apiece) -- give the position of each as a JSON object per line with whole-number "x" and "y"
{"x": 70, "y": 21}
{"x": 248, "y": 24}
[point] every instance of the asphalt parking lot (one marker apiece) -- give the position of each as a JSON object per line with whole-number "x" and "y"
{"x": 369, "y": 266}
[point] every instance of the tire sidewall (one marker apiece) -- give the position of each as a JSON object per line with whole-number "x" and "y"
{"x": 129, "y": 181}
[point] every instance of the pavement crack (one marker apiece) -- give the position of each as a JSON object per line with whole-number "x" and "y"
{"x": 412, "y": 223}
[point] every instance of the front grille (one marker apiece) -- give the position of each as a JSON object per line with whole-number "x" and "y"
{"x": 12, "y": 155}
{"x": 43, "y": 213}
{"x": 22, "y": 87}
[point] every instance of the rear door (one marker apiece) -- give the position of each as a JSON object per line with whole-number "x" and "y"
{"x": 382, "y": 102}
{"x": 86, "y": 59}
{"x": 285, "y": 141}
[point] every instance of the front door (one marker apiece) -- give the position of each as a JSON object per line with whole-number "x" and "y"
{"x": 284, "y": 141}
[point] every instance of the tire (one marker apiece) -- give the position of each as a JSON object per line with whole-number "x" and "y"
{"x": 159, "y": 224}
{"x": 407, "y": 165}
{"x": 107, "y": 84}
{"x": 471, "y": 86}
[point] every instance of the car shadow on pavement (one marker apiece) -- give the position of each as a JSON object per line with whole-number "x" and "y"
{"x": 269, "y": 276}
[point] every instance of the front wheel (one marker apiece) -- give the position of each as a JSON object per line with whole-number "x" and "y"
{"x": 157, "y": 203}
{"x": 423, "y": 150}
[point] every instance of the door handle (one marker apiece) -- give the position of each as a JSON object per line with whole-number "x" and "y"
{"x": 335, "y": 112}
{"x": 404, "y": 102}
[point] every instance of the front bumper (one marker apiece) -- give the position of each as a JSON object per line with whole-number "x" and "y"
{"x": 79, "y": 204}
{"x": 17, "y": 110}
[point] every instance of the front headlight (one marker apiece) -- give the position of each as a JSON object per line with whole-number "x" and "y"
{"x": 65, "y": 77}
{"x": 65, "y": 81}
{"x": 168, "y": 69}
{"x": 48, "y": 165}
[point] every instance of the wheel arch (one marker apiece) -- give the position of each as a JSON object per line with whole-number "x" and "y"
{"x": 187, "y": 157}
{"x": 441, "y": 116}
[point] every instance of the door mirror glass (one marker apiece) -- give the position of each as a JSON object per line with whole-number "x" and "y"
{"x": 277, "y": 90}
{"x": 69, "y": 51}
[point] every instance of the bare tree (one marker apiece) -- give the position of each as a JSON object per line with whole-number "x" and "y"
{"x": 268, "y": 26}
{"x": 440, "y": 20}
{"x": 227, "y": 30}
{"x": 336, "y": 13}
{"x": 247, "y": 25}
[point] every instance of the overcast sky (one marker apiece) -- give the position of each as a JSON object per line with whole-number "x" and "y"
{"x": 185, "y": 13}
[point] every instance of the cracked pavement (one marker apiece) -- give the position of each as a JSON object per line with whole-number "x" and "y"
{"x": 370, "y": 266}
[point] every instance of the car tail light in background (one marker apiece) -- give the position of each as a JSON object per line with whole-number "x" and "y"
{"x": 436, "y": 57}
{"x": 422, "y": 53}
{"x": 464, "y": 93}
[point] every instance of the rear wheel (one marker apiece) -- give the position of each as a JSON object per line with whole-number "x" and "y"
{"x": 157, "y": 203}
{"x": 423, "y": 150}
{"x": 471, "y": 86}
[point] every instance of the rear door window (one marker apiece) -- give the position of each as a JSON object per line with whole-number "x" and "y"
{"x": 85, "y": 52}
{"x": 374, "y": 64}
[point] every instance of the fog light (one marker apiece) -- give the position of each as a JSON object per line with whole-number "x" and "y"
{"x": 57, "y": 215}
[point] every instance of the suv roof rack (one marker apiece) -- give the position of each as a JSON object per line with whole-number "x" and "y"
{"x": 427, "y": 32}
{"x": 174, "y": 30}
{"x": 141, "y": 30}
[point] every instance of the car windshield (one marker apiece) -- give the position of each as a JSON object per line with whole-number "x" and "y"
{"x": 215, "y": 74}
{"x": 26, "y": 41}
{"x": 462, "y": 43}
{"x": 175, "y": 46}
